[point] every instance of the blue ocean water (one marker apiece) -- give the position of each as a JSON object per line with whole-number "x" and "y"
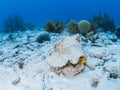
{"x": 38, "y": 11}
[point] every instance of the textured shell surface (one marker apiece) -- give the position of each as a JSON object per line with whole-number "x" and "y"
{"x": 66, "y": 49}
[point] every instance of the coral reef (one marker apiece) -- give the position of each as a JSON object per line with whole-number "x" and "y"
{"x": 84, "y": 26}
{"x": 71, "y": 56}
{"x": 113, "y": 69}
{"x": 72, "y": 27}
{"x": 117, "y": 32}
{"x": 57, "y": 27}
{"x": 93, "y": 31}
{"x": 94, "y": 26}
{"x": 114, "y": 75}
{"x": 30, "y": 26}
{"x": 104, "y": 21}
{"x": 14, "y": 23}
{"x": 23, "y": 63}
{"x": 92, "y": 36}
{"x": 43, "y": 37}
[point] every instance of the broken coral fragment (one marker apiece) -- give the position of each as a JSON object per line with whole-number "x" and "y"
{"x": 67, "y": 57}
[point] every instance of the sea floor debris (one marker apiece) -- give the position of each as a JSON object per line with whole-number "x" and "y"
{"x": 36, "y": 74}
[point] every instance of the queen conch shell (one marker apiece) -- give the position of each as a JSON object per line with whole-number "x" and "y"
{"x": 67, "y": 56}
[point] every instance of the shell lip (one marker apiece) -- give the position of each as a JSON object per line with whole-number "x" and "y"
{"x": 81, "y": 61}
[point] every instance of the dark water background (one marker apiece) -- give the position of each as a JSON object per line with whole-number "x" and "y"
{"x": 38, "y": 11}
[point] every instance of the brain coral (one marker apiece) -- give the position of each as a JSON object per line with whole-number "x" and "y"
{"x": 84, "y": 26}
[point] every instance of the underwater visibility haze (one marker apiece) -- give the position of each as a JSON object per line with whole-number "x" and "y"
{"x": 59, "y": 45}
{"x": 39, "y": 11}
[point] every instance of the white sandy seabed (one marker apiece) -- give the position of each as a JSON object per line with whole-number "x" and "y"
{"x": 103, "y": 55}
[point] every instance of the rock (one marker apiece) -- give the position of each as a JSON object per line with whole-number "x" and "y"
{"x": 16, "y": 81}
{"x": 97, "y": 52}
{"x": 43, "y": 37}
{"x": 113, "y": 68}
{"x": 2, "y": 58}
{"x": 94, "y": 62}
{"x": 1, "y": 52}
{"x": 21, "y": 64}
{"x": 71, "y": 56}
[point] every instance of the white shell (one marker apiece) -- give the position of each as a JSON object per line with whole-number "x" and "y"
{"x": 66, "y": 49}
